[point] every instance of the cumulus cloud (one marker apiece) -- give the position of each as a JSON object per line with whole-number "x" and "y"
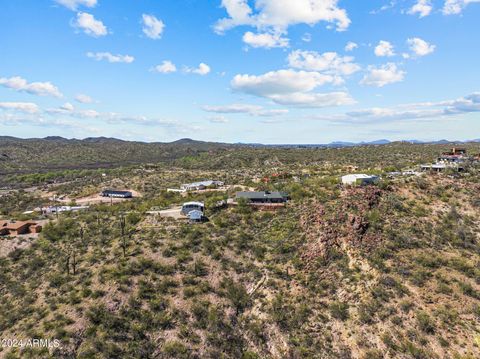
{"x": 383, "y": 75}
{"x": 27, "y": 107}
{"x": 67, "y": 109}
{"x": 66, "y": 115}
{"x": 252, "y": 110}
{"x": 329, "y": 62}
{"x": 350, "y": 46}
{"x": 275, "y": 17}
{"x": 67, "y": 106}
{"x": 99, "y": 56}
{"x": 166, "y": 67}
{"x": 89, "y": 25}
{"x": 422, "y": 8}
{"x": 453, "y": 7}
{"x": 314, "y": 99}
{"x": 74, "y": 4}
{"x": 265, "y": 40}
{"x": 420, "y": 47}
{"x": 29, "y": 119}
{"x": 18, "y": 83}
{"x": 202, "y": 69}
{"x": 82, "y": 98}
{"x": 427, "y": 110}
{"x": 152, "y": 27}
{"x": 282, "y": 81}
{"x": 470, "y": 103}
{"x": 291, "y": 87}
{"x": 384, "y": 49}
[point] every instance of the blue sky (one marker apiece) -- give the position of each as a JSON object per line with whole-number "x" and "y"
{"x": 270, "y": 71}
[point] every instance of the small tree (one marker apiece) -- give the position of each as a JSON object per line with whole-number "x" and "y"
{"x": 237, "y": 294}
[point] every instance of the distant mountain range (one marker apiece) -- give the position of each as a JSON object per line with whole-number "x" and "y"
{"x": 185, "y": 142}
{"x": 363, "y": 143}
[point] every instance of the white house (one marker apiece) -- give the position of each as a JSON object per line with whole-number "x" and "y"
{"x": 359, "y": 179}
{"x": 196, "y": 186}
{"x": 60, "y": 209}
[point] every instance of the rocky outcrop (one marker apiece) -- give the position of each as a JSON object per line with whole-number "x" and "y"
{"x": 344, "y": 225}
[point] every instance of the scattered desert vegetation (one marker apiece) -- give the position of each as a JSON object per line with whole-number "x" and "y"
{"x": 384, "y": 271}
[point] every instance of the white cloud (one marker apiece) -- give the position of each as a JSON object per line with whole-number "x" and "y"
{"x": 74, "y": 4}
{"x": 282, "y": 81}
{"x": 82, "y": 98}
{"x": 384, "y": 48}
{"x": 152, "y": 27}
{"x": 428, "y": 110}
{"x": 110, "y": 57}
{"x": 35, "y": 88}
{"x": 202, "y": 69}
{"x": 350, "y": 46}
{"x": 328, "y": 62}
{"x": 420, "y": 47}
{"x": 90, "y": 25}
{"x": 67, "y": 107}
{"x": 470, "y": 103}
{"x": 388, "y": 6}
{"x": 120, "y": 119}
{"x": 265, "y": 40}
{"x": 87, "y": 114}
{"x": 218, "y": 119}
{"x": 307, "y": 37}
{"x": 277, "y": 15}
{"x": 166, "y": 67}
{"x": 252, "y": 110}
{"x": 27, "y": 107}
{"x": 383, "y": 75}
{"x": 313, "y": 99}
{"x": 422, "y": 8}
{"x": 290, "y": 87}
{"x": 453, "y": 7}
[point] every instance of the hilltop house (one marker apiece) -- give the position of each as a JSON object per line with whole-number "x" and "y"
{"x": 264, "y": 197}
{"x": 264, "y": 200}
{"x": 14, "y": 228}
{"x": 61, "y": 209}
{"x": 198, "y": 186}
{"x": 453, "y": 160}
{"x": 116, "y": 194}
{"x": 359, "y": 179}
{"x": 454, "y": 155}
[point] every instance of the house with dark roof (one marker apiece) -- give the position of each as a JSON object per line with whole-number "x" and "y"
{"x": 116, "y": 194}
{"x": 263, "y": 200}
{"x": 264, "y": 197}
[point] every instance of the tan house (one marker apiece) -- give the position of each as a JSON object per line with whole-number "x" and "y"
{"x": 15, "y": 228}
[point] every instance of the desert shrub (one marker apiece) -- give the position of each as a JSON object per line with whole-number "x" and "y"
{"x": 339, "y": 310}
{"x": 175, "y": 349}
{"x": 236, "y": 293}
{"x": 425, "y": 322}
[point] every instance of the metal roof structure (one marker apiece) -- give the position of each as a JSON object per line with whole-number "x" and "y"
{"x": 199, "y": 204}
{"x": 262, "y": 195}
